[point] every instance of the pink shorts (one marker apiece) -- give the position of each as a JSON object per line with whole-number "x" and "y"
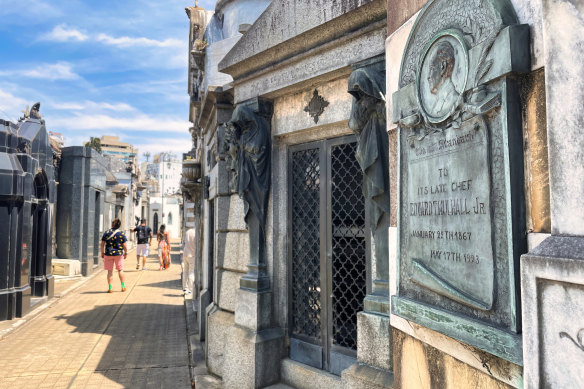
{"x": 108, "y": 262}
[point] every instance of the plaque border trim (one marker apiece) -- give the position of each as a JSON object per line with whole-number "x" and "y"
{"x": 475, "y": 333}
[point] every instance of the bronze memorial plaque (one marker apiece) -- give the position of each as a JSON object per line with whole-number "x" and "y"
{"x": 461, "y": 221}
{"x": 449, "y": 238}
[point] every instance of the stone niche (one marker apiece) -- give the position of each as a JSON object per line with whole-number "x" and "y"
{"x": 462, "y": 213}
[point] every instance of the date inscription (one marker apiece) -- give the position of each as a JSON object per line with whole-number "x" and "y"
{"x": 449, "y": 235}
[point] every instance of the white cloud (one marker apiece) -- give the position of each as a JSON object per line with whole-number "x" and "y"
{"x": 57, "y": 71}
{"x": 126, "y": 41}
{"x": 89, "y": 105}
{"x": 34, "y": 11}
{"x": 11, "y": 105}
{"x": 62, "y": 33}
{"x": 176, "y": 145}
{"x": 178, "y": 61}
{"x": 141, "y": 122}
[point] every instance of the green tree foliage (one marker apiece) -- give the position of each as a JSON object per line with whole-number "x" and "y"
{"x": 94, "y": 143}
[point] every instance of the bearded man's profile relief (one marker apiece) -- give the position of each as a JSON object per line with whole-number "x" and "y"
{"x": 440, "y": 79}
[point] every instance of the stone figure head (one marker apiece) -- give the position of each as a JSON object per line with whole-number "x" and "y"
{"x": 243, "y": 119}
{"x": 367, "y": 86}
{"x": 35, "y": 111}
{"x": 441, "y": 66}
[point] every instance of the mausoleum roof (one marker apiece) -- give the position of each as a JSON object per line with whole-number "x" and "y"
{"x": 288, "y": 28}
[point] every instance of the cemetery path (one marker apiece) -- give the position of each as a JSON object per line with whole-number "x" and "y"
{"x": 93, "y": 339}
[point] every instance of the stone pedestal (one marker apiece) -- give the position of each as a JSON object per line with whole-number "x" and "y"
{"x": 253, "y": 309}
{"x": 219, "y": 324}
{"x": 254, "y": 357}
{"x": 552, "y": 296}
{"x": 374, "y": 353}
{"x": 361, "y": 376}
{"x": 374, "y": 340}
{"x": 255, "y": 349}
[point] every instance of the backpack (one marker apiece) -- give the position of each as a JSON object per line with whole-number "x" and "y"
{"x": 142, "y": 233}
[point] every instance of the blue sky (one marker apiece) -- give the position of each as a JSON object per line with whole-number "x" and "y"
{"x": 99, "y": 67}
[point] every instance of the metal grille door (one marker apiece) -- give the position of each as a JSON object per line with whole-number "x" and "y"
{"x": 348, "y": 244}
{"x": 328, "y": 253}
{"x": 306, "y": 243}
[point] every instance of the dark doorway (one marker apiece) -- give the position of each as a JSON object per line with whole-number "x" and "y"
{"x": 40, "y": 236}
{"x": 211, "y": 247}
{"x": 328, "y": 252}
{"x": 155, "y": 222}
{"x": 97, "y": 228}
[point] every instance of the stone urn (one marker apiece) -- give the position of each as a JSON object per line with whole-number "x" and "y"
{"x": 191, "y": 170}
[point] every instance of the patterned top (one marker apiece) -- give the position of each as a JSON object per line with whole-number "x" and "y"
{"x": 115, "y": 245}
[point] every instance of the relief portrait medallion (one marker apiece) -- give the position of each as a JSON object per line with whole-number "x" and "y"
{"x": 442, "y": 75}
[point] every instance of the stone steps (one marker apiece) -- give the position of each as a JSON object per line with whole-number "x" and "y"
{"x": 301, "y": 376}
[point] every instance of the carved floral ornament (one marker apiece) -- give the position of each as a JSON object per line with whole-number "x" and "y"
{"x": 578, "y": 342}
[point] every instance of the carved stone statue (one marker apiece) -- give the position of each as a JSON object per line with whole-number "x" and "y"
{"x": 247, "y": 143}
{"x": 34, "y": 111}
{"x": 368, "y": 122}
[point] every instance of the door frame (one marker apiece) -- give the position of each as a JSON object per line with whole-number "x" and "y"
{"x": 303, "y": 348}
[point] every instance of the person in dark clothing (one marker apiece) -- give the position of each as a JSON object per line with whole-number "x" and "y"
{"x": 144, "y": 236}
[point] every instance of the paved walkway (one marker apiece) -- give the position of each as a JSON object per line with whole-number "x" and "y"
{"x": 92, "y": 339}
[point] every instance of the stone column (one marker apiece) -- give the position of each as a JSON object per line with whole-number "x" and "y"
{"x": 552, "y": 273}
{"x": 254, "y": 345}
{"x": 374, "y": 351}
{"x": 194, "y": 193}
{"x": 70, "y": 218}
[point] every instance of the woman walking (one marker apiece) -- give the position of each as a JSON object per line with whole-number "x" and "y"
{"x": 113, "y": 252}
{"x": 163, "y": 247}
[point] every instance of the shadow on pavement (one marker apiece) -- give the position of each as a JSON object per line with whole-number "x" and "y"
{"x": 146, "y": 345}
{"x": 172, "y": 284}
{"x": 142, "y": 345}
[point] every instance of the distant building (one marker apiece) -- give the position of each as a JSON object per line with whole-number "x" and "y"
{"x": 167, "y": 211}
{"x": 167, "y": 173}
{"x": 56, "y": 139}
{"x": 111, "y": 145}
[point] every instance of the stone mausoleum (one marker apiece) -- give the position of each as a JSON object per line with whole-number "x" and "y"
{"x": 27, "y": 202}
{"x": 81, "y": 206}
{"x": 388, "y": 193}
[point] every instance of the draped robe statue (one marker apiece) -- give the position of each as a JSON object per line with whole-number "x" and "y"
{"x": 248, "y": 147}
{"x": 368, "y": 122}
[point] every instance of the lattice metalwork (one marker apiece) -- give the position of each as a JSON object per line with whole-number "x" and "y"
{"x": 348, "y": 244}
{"x": 306, "y": 296}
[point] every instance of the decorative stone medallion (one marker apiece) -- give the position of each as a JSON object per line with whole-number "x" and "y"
{"x": 316, "y": 106}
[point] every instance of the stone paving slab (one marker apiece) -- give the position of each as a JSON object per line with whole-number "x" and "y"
{"x": 93, "y": 339}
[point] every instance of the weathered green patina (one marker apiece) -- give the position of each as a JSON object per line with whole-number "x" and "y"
{"x": 461, "y": 219}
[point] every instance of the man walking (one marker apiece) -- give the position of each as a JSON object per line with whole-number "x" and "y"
{"x": 144, "y": 235}
{"x": 188, "y": 274}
